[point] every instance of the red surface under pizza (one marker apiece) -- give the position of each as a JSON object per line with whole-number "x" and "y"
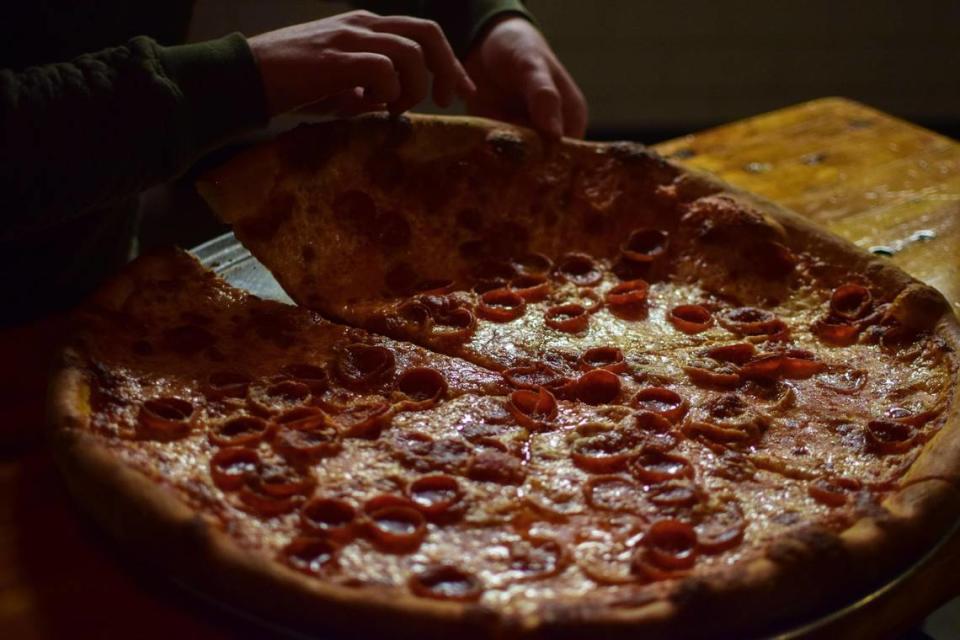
{"x": 531, "y": 389}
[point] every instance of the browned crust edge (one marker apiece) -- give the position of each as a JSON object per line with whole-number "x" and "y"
{"x": 141, "y": 512}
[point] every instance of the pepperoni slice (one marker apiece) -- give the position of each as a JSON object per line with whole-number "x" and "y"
{"x": 657, "y": 432}
{"x": 438, "y": 497}
{"x": 534, "y": 376}
{"x": 889, "y": 436}
{"x": 612, "y": 493}
{"x": 226, "y": 384}
{"x": 799, "y": 366}
{"x": 628, "y": 299}
{"x": 166, "y": 418}
{"x": 750, "y": 321}
{"x": 454, "y": 325}
{"x": 832, "y": 491}
{"x": 580, "y": 269}
{"x": 603, "y": 453}
{"x": 315, "y": 556}
{"x": 850, "y": 301}
{"x": 281, "y": 480}
{"x": 314, "y": 377}
{"x": 531, "y": 288}
{"x": 597, "y": 387}
{"x": 673, "y": 495}
{"x": 256, "y": 500}
{"x": 609, "y": 358}
{"x": 588, "y": 299}
{"x": 361, "y": 366}
{"x": 480, "y": 287}
{"x": 362, "y": 420}
{"x": 661, "y": 401}
{"x": 239, "y": 431}
{"x": 329, "y": 518}
{"x": 423, "y": 385}
{"x": 414, "y": 313}
{"x": 394, "y": 526}
{"x": 535, "y": 559}
{"x": 532, "y": 409}
{"x": 722, "y": 529}
{"x": 496, "y": 466}
{"x": 764, "y": 366}
{"x": 670, "y": 545}
{"x": 691, "y": 318}
{"x": 654, "y": 467}
{"x": 306, "y": 444}
{"x": 301, "y": 418}
{"x": 445, "y": 582}
{"x": 737, "y": 353}
{"x": 501, "y": 305}
{"x": 533, "y": 264}
{"x": 435, "y": 286}
{"x": 729, "y": 420}
{"x": 570, "y": 318}
{"x": 724, "y": 376}
{"x": 279, "y": 395}
{"x": 231, "y": 468}
{"x": 842, "y": 379}
{"x": 645, "y": 245}
{"x": 835, "y": 331}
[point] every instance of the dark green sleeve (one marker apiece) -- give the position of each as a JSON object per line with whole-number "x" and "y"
{"x": 77, "y": 135}
{"x": 462, "y": 21}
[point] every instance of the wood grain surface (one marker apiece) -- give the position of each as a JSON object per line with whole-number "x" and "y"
{"x": 866, "y": 176}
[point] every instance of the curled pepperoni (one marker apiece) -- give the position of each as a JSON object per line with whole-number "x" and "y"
{"x": 307, "y": 444}
{"x": 588, "y": 299}
{"x": 301, "y": 418}
{"x": 414, "y": 313}
{"x": 533, "y": 264}
{"x": 611, "y": 493}
{"x": 226, "y": 384}
{"x": 255, "y": 499}
{"x": 239, "y": 431}
{"x": 597, "y": 387}
{"x": 482, "y": 286}
{"x": 750, "y": 321}
{"x": 362, "y": 420}
{"x": 654, "y": 467}
{"x": 531, "y": 288}
{"x": 850, "y": 301}
{"x": 673, "y": 495}
{"x": 438, "y": 496}
{"x": 534, "y": 376}
{"x": 580, "y": 269}
{"x": 532, "y": 408}
{"x": 536, "y": 558}
{"x": 889, "y": 436}
{"x": 722, "y": 529}
{"x": 310, "y": 555}
{"x": 609, "y": 358}
{"x": 361, "y": 365}
{"x": 691, "y": 318}
{"x": 800, "y": 365}
{"x": 645, "y": 245}
{"x": 423, "y": 385}
{"x": 657, "y": 432}
{"x": 446, "y": 582}
{"x": 603, "y": 453}
{"x": 496, "y": 466}
{"x": 330, "y": 518}
{"x": 314, "y": 377}
{"x": 628, "y": 299}
{"x": 725, "y": 376}
{"x": 501, "y": 305}
{"x": 835, "y": 331}
{"x": 670, "y": 545}
{"x": 394, "y": 526}
{"x": 166, "y": 418}
{"x": 454, "y": 325}
{"x": 661, "y": 401}
{"x": 435, "y": 286}
{"x": 737, "y": 353}
{"x": 283, "y": 393}
{"x": 231, "y": 468}
{"x": 570, "y": 318}
{"x": 282, "y": 480}
{"x": 842, "y": 379}
{"x": 833, "y": 492}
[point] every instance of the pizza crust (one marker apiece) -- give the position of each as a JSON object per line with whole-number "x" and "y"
{"x": 804, "y": 575}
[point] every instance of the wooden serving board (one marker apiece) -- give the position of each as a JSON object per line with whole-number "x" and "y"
{"x": 867, "y": 176}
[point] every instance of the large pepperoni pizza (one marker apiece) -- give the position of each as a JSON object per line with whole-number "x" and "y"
{"x": 531, "y": 389}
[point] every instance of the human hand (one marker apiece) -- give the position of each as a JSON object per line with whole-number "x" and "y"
{"x": 519, "y": 79}
{"x": 358, "y": 61}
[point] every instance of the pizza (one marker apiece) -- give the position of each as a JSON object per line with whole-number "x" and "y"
{"x": 530, "y": 389}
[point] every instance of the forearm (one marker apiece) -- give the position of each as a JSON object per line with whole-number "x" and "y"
{"x": 107, "y": 125}
{"x": 462, "y": 22}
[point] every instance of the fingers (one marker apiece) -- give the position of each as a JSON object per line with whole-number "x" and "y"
{"x": 449, "y": 76}
{"x": 543, "y": 98}
{"x": 374, "y": 73}
{"x": 408, "y": 60}
{"x": 574, "y": 104}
